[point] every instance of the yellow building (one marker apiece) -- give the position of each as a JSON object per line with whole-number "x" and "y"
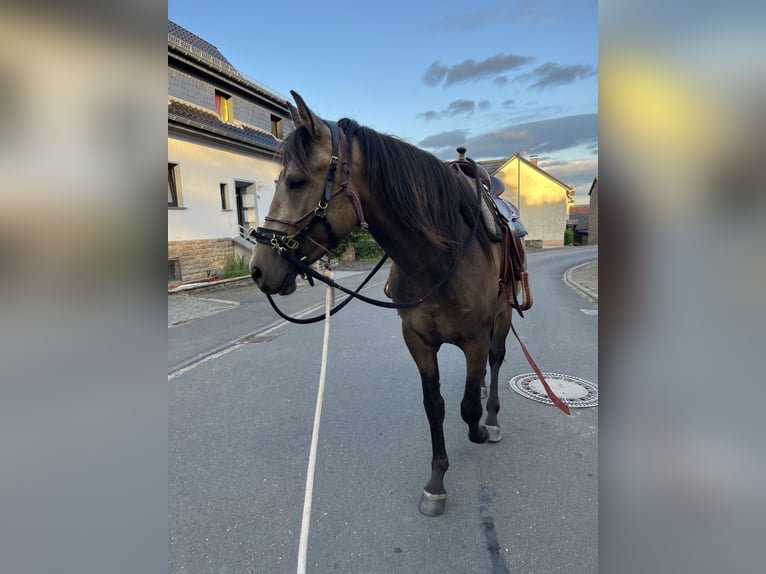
{"x": 543, "y": 200}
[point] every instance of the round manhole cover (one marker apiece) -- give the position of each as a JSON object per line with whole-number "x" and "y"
{"x": 573, "y": 391}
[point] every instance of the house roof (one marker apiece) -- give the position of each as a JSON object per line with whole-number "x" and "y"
{"x": 179, "y": 33}
{"x": 189, "y": 117}
{"x": 579, "y": 209}
{"x": 492, "y": 165}
{"x": 568, "y": 188}
{"x": 594, "y": 186}
{"x": 192, "y": 48}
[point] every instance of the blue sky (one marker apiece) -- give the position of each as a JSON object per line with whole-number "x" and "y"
{"x": 496, "y": 77}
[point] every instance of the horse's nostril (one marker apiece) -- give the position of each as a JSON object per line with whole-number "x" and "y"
{"x": 256, "y": 274}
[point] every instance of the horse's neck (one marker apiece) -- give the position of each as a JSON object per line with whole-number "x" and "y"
{"x": 407, "y": 248}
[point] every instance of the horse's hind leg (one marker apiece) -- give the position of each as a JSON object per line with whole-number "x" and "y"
{"x": 496, "y": 357}
{"x": 470, "y": 406}
{"x": 433, "y": 501}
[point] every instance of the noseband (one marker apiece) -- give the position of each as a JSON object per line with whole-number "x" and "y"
{"x": 285, "y": 244}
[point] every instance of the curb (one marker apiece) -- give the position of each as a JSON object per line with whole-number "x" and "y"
{"x": 210, "y": 285}
{"x": 572, "y": 283}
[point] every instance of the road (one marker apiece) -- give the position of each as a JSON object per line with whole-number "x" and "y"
{"x": 240, "y": 429}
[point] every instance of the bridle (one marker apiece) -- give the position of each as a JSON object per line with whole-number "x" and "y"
{"x": 290, "y": 244}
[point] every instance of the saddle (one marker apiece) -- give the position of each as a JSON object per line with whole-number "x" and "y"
{"x": 503, "y": 223}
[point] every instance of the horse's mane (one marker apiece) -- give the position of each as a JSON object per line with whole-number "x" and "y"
{"x": 426, "y": 195}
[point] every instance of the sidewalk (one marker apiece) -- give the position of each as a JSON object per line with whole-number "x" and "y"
{"x": 585, "y": 278}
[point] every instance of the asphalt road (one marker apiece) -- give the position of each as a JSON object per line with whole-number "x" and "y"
{"x": 240, "y": 429}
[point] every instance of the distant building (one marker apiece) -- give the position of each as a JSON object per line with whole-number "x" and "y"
{"x": 543, "y": 200}
{"x": 223, "y": 132}
{"x": 578, "y": 221}
{"x": 593, "y": 213}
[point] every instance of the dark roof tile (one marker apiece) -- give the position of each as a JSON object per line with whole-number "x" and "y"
{"x": 207, "y": 120}
{"x": 186, "y": 36}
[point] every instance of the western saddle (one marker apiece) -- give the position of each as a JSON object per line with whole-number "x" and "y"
{"x": 503, "y": 223}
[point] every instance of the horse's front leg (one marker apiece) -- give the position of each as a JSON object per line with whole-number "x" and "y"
{"x": 433, "y": 501}
{"x": 470, "y": 407}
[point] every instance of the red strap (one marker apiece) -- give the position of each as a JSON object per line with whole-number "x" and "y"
{"x": 556, "y": 401}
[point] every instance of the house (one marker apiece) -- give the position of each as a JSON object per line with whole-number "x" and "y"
{"x": 223, "y": 132}
{"x": 593, "y": 213}
{"x": 578, "y": 221}
{"x": 543, "y": 201}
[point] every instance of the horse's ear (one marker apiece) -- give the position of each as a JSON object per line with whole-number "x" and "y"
{"x": 303, "y": 116}
{"x": 297, "y": 120}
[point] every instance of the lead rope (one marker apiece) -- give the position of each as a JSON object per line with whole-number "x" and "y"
{"x": 305, "y": 522}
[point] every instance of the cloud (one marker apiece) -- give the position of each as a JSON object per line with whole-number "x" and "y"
{"x": 435, "y": 74}
{"x": 471, "y": 70}
{"x": 460, "y": 107}
{"x": 545, "y": 136}
{"x": 551, "y": 74}
{"x": 430, "y": 115}
{"x": 457, "y": 107}
{"x": 500, "y": 80}
{"x": 578, "y": 173}
{"x": 451, "y": 139}
{"x": 471, "y": 20}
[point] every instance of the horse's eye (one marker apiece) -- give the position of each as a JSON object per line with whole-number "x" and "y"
{"x": 294, "y": 184}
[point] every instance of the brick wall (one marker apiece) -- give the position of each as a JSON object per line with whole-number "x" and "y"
{"x": 198, "y": 257}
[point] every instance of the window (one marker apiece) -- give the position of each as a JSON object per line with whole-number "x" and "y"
{"x": 276, "y": 127}
{"x": 225, "y": 205}
{"x": 174, "y": 186}
{"x": 223, "y": 106}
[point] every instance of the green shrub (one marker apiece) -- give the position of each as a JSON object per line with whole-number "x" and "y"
{"x": 568, "y": 236}
{"x": 365, "y": 246}
{"x": 234, "y": 266}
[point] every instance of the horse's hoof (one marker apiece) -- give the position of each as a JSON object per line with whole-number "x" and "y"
{"x": 432, "y": 504}
{"x": 494, "y": 433}
{"x": 481, "y": 435}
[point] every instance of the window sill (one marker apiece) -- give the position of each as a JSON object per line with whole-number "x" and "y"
{"x": 176, "y": 207}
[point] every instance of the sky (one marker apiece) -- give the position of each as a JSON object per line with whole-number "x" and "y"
{"x": 496, "y": 77}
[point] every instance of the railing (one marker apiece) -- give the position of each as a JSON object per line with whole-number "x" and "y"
{"x": 244, "y": 233}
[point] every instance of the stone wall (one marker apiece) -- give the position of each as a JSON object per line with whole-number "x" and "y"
{"x": 201, "y": 258}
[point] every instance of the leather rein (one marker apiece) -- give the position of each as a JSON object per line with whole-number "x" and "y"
{"x": 289, "y": 246}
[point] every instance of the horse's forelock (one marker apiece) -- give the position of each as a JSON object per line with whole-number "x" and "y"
{"x": 296, "y": 148}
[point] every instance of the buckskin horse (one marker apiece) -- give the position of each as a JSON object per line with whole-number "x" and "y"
{"x": 449, "y": 278}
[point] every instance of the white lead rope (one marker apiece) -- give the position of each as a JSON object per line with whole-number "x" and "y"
{"x": 305, "y": 522}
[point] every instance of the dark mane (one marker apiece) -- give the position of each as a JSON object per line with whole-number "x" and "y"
{"x": 427, "y": 196}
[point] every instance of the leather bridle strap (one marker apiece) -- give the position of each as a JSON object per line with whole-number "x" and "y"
{"x": 281, "y": 241}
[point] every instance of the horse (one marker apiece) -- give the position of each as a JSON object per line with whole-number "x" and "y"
{"x": 426, "y": 217}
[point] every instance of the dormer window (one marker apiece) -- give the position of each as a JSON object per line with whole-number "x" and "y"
{"x": 223, "y": 106}
{"x": 276, "y": 127}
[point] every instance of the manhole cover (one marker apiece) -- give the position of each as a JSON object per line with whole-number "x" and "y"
{"x": 573, "y": 391}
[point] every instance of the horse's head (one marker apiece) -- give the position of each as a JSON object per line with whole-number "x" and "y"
{"x": 306, "y": 218}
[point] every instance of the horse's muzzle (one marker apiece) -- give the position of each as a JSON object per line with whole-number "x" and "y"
{"x": 285, "y": 286}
